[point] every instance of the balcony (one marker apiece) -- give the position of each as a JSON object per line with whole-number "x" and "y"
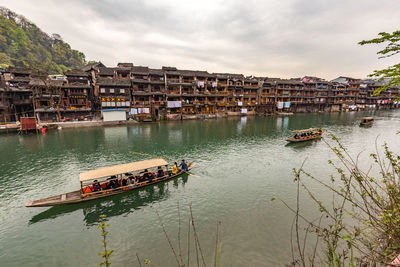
{"x": 175, "y": 92}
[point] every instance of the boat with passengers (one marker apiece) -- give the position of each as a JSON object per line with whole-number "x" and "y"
{"x": 366, "y": 121}
{"x": 305, "y": 135}
{"x": 114, "y": 180}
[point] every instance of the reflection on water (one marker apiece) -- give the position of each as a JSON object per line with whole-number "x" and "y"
{"x": 116, "y": 205}
{"x": 285, "y": 123}
{"x": 302, "y": 145}
{"x": 278, "y": 123}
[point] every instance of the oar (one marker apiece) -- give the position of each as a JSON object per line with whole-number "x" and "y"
{"x": 191, "y": 174}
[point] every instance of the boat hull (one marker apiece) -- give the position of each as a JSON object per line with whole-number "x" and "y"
{"x": 366, "y": 123}
{"x": 298, "y": 140}
{"x": 76, "y": 197}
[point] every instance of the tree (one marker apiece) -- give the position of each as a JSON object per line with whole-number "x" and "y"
{"x": 391, "y": 73}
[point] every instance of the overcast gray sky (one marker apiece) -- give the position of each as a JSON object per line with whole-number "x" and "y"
{"x": 275, "y": 38}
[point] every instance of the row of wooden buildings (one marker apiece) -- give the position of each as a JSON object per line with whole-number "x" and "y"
{"x": 168, "y": 93}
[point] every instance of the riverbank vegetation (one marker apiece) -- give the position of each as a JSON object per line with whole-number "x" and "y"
{"x": 193, "y": 247}
{"x": 360, "y": 226}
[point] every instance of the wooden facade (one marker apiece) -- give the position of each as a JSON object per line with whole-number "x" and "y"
{"x": 170, "y": 93}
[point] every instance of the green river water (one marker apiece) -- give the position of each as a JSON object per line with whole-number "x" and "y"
{"x": 242, "y": 164}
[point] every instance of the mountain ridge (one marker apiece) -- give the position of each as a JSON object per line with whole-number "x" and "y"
{"x": 23, "y": 44}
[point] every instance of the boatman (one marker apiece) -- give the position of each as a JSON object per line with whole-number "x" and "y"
{"x": 184, "y": 166}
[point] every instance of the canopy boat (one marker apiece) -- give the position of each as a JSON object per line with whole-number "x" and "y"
{"x": 305, "y": 135}
{"x": 113, "y": 180}
{"x": 366, "y": 121}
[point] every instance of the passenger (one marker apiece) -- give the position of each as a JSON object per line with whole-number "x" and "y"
{"x": 160, "y": 172}
{"x": 87, "y": 190}
{"x": 146, "y": 175}
{"x": 110, "y": 184}
{"x": 296, "y": 136}
{"x": 116, "y": 184}
{"x": 184, "y": 166}
{"x": 175, "y": 168}
{"x": 128, "y": 178}
{"x": 96, "y": 186}
{"x": 104, "y": 186}
{"x": 151, "y": 176}
{"x": 124, "y": 182}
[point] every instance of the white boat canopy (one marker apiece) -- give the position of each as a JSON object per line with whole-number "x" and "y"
{"x": 306, "y": 130}
{"x": 123, "y": 168}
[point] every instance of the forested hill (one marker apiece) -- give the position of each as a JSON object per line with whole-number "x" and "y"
{"x": 23, "y": 44}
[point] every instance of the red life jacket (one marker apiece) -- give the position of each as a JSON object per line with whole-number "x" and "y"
{"x": 87, "y": 190}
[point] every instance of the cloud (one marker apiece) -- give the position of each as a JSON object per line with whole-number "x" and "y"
{"x": 270, "y": 38}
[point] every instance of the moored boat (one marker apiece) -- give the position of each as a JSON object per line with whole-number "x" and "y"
{"x": 366, "y": 121}
{"x": 305, "y": 135}
{"x": 113, "y": 180}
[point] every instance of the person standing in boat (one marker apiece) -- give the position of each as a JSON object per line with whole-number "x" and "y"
{"x": 175, "y": 168}
{"x": 184, "y": 166}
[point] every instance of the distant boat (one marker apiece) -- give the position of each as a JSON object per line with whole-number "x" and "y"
{"x": 305, "y": 135}
{"x": 366, "y": 121}
{"x": 97, "y": 183}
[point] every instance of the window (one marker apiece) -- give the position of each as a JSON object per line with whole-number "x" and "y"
{"x": 111, "y": 90}
{"x": 102, "y": 90}
{"x": 103, "y": 104}
{"x": 122, "y": 91}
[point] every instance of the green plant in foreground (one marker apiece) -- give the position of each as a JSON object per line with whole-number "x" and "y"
{"x": 360, "y": 226}
{"x": 106, "y": 255}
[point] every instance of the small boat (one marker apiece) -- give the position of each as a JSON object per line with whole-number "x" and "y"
{"x": 305, "y": 135}
{"x": 97, "y": 183}
{"x": 366, "y": 121}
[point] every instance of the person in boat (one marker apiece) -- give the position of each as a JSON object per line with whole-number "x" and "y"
{"x": 146, "y": 175}
{"x": 160, "y": 172}
{"x": 96, "y": 186}
{"x": 116, "y": 183}
{"x": 184, "y": 166}
{"x": 127, "y": 178}
{"x": 320, "y": 131}
{"x": 87, "y": 190}
{"x": 151, "y": 176}
{"x": 110, "y": 184}
{"x": 296, "y": 136}
{"x": 175, "y": 168}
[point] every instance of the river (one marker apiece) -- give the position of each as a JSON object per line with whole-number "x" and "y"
{"x": 241, "y": 163}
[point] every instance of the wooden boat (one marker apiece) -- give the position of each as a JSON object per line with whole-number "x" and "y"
{"x": 366, "y": 121}
{"x": 104, "y": 176}
{"x": 305, "y": 135}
